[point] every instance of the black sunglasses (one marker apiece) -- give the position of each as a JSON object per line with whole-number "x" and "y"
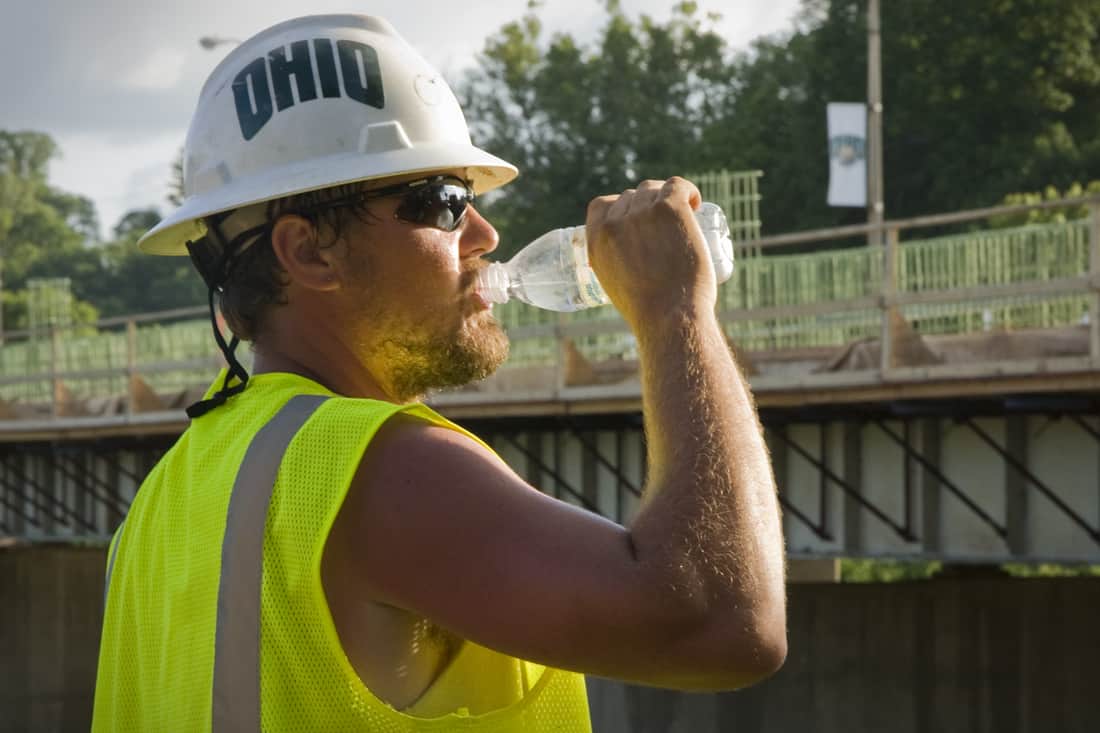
{"x": 439, "y": 201}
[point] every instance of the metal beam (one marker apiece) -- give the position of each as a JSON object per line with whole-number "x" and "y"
{"x": 60, "y": 466}
{"x": 1043, "y": 488}
{"x": 930, "y": 485}
{"x": 907, "y": 477}
{"x": 95, "y": 477}
{"x": 847, "y": 489}
{"x": 18, "y": 511}
{"x": 794, "y": 511}
{"x": 538, "y": 462}
{"x": 618, "y": 487}
{"x": 932, "y": 469}
{"x": 934, "y": 220}
{"x": 779, "y": 469}
{"x": 40, "y": 491}
{"x": 33, "y": 502}
{"x": 852, "y": 470}
{"x": 1015, "y": 485}
{"x": 1080, "y": 421}
{"x": 595, "y": 452}
{"x": 822, "y": 485}
{"x": 109, "y": 458}
{"x": 114, "y": 475}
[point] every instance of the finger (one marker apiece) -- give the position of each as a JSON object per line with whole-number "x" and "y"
{"x": 621, "y": 207}
{"x": 597, "y": 210}
{"x": 680, "y": 189}
{"x": 649, "y": 186}
{"x": 646, "y": 193}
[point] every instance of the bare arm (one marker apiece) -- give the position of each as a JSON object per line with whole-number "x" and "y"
{"x": 691, "y": 595}
{"x": 709, "y": 522}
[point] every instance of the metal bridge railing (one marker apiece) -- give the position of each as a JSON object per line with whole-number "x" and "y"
{"x": 1031, "y": 277}
{"x": 738, "y": 193}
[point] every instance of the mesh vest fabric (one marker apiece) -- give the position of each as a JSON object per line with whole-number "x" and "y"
{"x": 157, "y": 649}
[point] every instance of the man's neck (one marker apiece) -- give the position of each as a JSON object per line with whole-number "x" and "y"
{"x": 329, "y": 364}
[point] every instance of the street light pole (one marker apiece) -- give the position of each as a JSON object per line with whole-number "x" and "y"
{"x": 876, "y": 209}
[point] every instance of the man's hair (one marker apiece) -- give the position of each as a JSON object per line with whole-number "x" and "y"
{"x": 256, "y": 281}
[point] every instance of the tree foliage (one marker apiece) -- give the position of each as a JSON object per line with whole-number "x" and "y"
{"x": 48, "y": 233}
{"x": 1045, "y": 216}
{"x": 141, "y": 282}
{"x": 981, "y": 99}
{"x": 584, "y": 121}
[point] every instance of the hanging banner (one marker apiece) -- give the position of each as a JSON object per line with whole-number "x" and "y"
{"x": 847, "y": 154}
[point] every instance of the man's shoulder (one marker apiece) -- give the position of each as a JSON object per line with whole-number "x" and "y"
{"x": 424, "y": 441}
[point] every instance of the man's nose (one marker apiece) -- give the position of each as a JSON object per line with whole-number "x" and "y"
{"x": 478, "y": 235}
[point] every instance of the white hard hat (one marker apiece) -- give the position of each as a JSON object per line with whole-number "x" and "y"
{"x": 311, "y": 103}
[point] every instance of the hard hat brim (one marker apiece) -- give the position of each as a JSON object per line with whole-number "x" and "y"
{"x": 484, "y": 171}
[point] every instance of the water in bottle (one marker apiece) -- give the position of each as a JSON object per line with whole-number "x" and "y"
{"x": 552, "y": 272}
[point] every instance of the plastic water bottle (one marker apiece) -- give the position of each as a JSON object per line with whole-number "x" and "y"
{"x": 552, "y": 272}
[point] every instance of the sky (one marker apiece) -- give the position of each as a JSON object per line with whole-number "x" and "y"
{"x": 115, "y": 82}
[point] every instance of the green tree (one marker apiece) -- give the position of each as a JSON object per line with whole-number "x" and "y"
{"x": 136, "y": 282}
{"x": 48, "y": 233}
{"x": 981, "y": 98}
{"x": 44, "y": 232}
{"x": 1045, "y": 216}
{"x": 23, "y": 160}
{"x": 854, "y": 570}
{"x": 584, "y": 121}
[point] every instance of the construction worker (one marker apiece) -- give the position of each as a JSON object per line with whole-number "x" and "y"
{"x": 321, "y": 552}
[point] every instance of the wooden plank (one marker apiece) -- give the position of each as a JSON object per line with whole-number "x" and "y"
{"x": 1061, "y": 286}
{"x": 889, "y": 313}
{"x": 977, "y": 388}
{"x": 855, "y": 230}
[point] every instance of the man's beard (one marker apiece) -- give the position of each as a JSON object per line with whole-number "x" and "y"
{"x": 417, "y": 365}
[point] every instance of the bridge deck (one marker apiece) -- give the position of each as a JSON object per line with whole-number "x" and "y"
{"x": 984, "y": 313}
{"x": 933, "y": 369}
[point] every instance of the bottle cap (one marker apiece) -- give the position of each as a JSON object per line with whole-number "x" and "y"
{"x": 493, "y": 282}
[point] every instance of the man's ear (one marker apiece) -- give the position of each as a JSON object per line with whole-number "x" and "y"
{"x": 294, "y": 240}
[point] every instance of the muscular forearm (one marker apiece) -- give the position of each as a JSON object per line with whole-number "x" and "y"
{"x": 709, "y": 524}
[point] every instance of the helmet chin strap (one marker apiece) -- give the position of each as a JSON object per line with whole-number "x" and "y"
{"x": 215, "y": 260}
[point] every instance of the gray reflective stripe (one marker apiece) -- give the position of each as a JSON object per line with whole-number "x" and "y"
{"x": 236, "y": 693}
{"x": 111, "y": 562}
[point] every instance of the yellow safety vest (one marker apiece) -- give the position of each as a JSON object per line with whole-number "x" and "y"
{"x": 215, "y": 616}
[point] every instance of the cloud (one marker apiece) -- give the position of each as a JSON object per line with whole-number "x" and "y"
{"x": 164, "y": 70}
{"x": 118, "y": 175}
{"x": 116, "y": 81}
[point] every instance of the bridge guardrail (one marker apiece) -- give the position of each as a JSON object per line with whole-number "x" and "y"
{"x": 1038, "y": 277}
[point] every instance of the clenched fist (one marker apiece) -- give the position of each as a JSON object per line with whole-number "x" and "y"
{"x": 649, "y": 252}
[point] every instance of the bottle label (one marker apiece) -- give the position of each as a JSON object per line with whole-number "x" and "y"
{"x": 589, "y": 291}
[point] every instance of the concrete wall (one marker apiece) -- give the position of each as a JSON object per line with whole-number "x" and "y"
{"x": 51, "y": 610}
{"x": 969, "y": 654}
